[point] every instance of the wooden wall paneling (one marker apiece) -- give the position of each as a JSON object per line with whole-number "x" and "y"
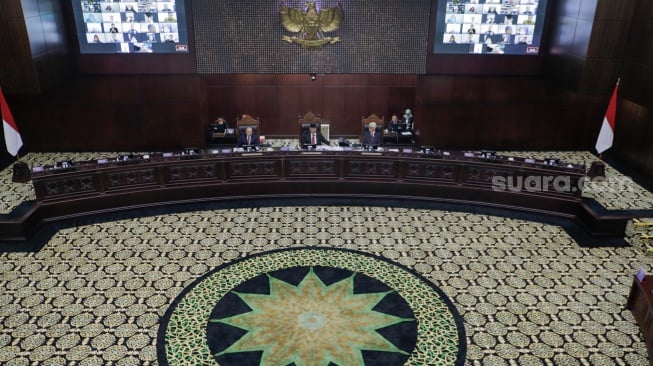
{"x": 41, "y": 126}
{"x": 334, "y": 107}
{"x": 244, "y": 102}
{"x": 483, "y": 64}
{"x": 550, "y": 126}
{"x": 266, "y": 108}
{"x": 643, "y": 10}
{"x": 57, "y": 127}
{"x": 611, "y": 35}
{"x": 638, "y": 45}
{"x": 99, "y": 126}
{"x": 167, "y": 126}
{"x": 468, "y": 90}
{"x": 11, "y": 8}
{"x": 401, "y": 98}
{"x": 377, "y": 101}
{"x": 136, "y": 64}
{"x": 170, "y": 88}
{"x": 94, "y": 89}
{"x": 356, "y": 106}
{"x": 310, "y": 98}
{"x": 290, "y": 106}
{"x": 220, "y": 103}
{"x": 129, "y": 125}
{"x": 494, "y": 127}
{"x": 434, "y": 89}
{"x": 123, "y": 89}
{"x": 455, "y": 129}
{"x": 633, "y": 135}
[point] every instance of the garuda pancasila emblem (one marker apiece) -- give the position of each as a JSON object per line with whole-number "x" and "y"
{"x": 311, "y": 24}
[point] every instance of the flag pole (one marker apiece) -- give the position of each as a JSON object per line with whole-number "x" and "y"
{"x": 606, "y": 135}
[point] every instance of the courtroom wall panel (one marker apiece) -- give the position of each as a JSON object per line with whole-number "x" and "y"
{"x": 633, "y": 136}
{"x": 118, "y": 113}
{"x": 637, "y": 69}
{"x": 485, "y": 112}
{"x": 634, "y": 128}
{"x": 34, "y": 53}
{"x": 155, "y": 112}
{"x": 588, "y": 39}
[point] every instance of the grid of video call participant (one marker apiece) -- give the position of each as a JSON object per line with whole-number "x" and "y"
{"x": 490, "y": 25}
{"x": 138, "y": 23}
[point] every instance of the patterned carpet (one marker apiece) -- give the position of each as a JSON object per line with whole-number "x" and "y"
{"x": 528, "y": 294}
{"x": 100, "y": 293}
{"x": 312, "y": 306}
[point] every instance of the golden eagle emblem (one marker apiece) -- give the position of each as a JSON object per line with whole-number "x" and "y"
{"x": 311, "y": 24}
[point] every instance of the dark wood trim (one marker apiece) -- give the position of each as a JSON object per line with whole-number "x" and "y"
{"x": 90, "y": 188}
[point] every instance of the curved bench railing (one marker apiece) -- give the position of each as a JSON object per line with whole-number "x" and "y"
{"x": 163, "y": 179}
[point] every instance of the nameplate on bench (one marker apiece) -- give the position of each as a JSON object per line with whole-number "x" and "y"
{"x": 251, "y": 154}
{"x": 311, "y": 153}
{"x": 372, "y": 153}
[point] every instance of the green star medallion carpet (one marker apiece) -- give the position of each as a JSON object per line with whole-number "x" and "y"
{"x": 310, "y": 307}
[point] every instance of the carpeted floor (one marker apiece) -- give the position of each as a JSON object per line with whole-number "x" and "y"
{"x": 103, "y": 293}
{"x": 95, "y": 294}
{"x": 312, "y": 306}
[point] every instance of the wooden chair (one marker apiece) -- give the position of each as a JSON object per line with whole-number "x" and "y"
{"x": 366, "y": 121}
{"x": 248, "y": 121}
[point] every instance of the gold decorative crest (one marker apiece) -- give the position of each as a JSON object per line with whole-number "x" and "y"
{"x": 311, "y": 24}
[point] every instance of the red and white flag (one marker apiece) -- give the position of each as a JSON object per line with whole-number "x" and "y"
{"x": 606, "y": 135}
{"x": 12, "y": 136}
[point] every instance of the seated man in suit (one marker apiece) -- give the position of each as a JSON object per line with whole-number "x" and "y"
{"x": 372, "y": 137}
{"x": 216, "y": 130}
{"x": 220, "y": 125}
{"x": 395, "y": 124}
{"x": 248, "y": 138}
{"x": 314, "y": 137}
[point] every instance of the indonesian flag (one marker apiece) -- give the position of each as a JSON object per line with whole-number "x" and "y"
{"x": 12, "y": 136}
{"x": 606, "y": 135}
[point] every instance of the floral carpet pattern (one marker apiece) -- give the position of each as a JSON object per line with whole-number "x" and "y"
{"x": 527, "y": 293}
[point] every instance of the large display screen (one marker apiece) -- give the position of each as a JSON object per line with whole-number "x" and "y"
{"x": 512, "y": 27}
{"x": 131, "y": 26}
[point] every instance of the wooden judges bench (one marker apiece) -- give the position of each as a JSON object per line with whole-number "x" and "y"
{"x": 112, "y": 185}
{"x": 89, "y": 186}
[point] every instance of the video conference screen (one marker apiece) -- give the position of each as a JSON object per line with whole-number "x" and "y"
{"x": 131, "y": 26}
{"x": 511, "y": 27}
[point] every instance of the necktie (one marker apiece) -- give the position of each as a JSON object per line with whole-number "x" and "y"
{"x": 313, "y": 139}
{"x": 249, "y": 140}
